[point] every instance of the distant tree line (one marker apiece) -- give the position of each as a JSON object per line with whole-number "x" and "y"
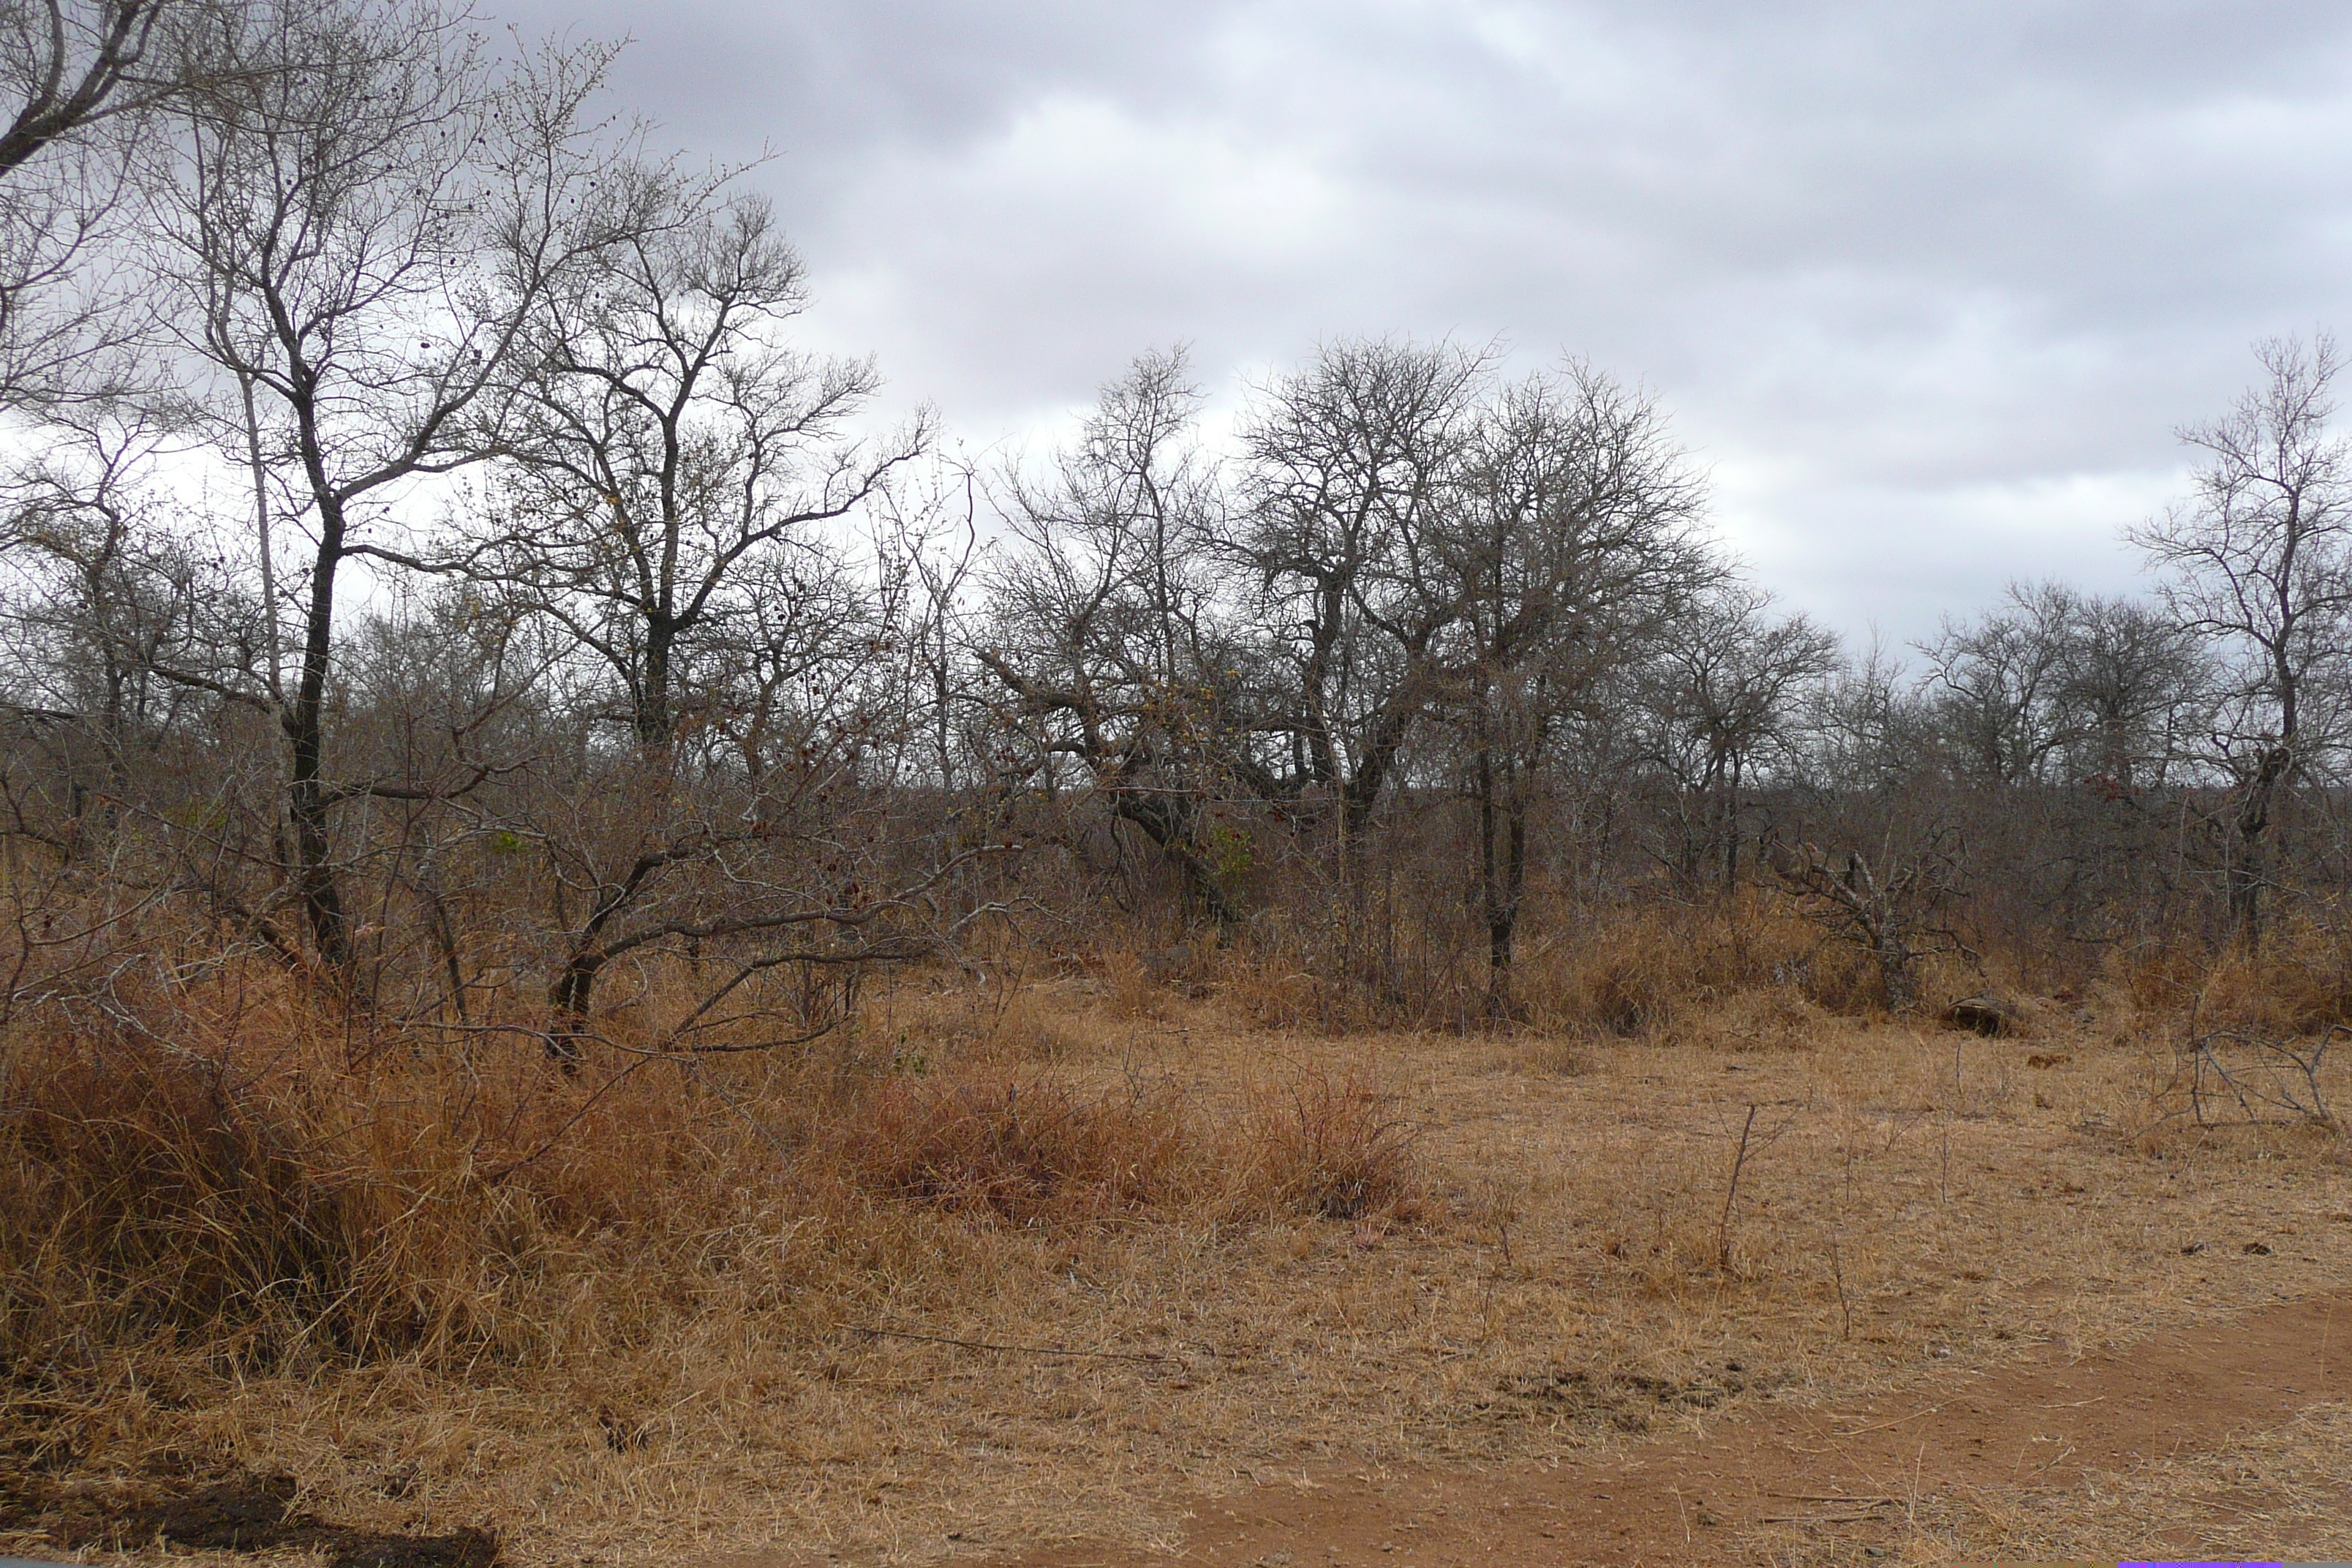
{"x": 431, "y": 565}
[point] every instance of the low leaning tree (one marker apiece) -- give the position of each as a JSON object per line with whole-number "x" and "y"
{"x": 1116, "y": 651}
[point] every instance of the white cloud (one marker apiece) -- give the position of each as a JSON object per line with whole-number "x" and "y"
{"x": 1930, "y": 286}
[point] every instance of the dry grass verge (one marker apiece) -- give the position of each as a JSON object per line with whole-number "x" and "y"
{"x": 921, "y": 1292}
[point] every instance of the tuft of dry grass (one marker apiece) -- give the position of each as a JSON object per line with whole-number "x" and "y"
{"x": 1325, "y": 1145}
{"x": 1022, "y": 1151}
{"x": 2299, "y": 982}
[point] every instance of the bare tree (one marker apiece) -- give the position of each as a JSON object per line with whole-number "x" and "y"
{"x": 822, "y": 865}
{"x": 354, "y": 248}
{"x": 1568, "y": 544}
{"x": 83, "y": 85}
{"x": 103, "y": 591}
{"x": 1997, "y": 686}
{"x": 70, "y": 72}
{"x": 677, "y": 459}
{"x": 1347, "y": 466}
{"x": 1721, "y": 699}
{"x": 2134, "y": 675}
{"x": 1869, "y": 733}
{"x": 1886, "y": 911}
{"x": 1109, "y": 632}
{"x": 2258, "y": 562}
{"x": 69, "y": 67}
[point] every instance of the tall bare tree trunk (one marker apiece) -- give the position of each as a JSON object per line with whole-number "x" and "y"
{"x": 304, "y": 720}
{"x": 2247, "y": 878}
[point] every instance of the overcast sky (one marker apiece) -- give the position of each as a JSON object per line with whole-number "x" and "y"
{"x": 1928, "y": 286}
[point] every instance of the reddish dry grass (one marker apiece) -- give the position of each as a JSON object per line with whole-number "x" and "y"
{"x": 212, "y": 1175}
{"x": 1337, "y": 1147}
{"x": 1020, "y": 1150}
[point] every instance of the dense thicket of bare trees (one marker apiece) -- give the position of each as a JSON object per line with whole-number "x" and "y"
{"x": 453, "y": 583}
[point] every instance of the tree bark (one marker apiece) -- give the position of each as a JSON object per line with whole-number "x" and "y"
{"x": 2246, "y": 877}
{"x": 305, "y": 725}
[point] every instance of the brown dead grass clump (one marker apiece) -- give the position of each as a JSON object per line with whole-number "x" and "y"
{"x": 1021, "y": 1151}
{"x": 1278, "y": 989}
{"x": 1318, "y": 1144}
{"x": 2298, "y": 982}
{"x": 1031, "y": 1152}
{"x": 183, "y": 1189}
{"x": 1637, "y": 971}
{"x": 187, "y": 1168}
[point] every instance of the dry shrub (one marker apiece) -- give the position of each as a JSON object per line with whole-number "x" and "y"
{"x": 2298, "y": 982}
{"x": 1781, "y": 1018}
{"x": 1187, "y": 969}
{"x": 1035, "y": 1151}
{"x": 1324, "y": 1145}
{"x": 1029, "y": 1029}
{"x": 1268, "y": 991}
{"x": 147, "y": 1193}
{"x": 1019, "y": 1151}
{"x": 1839, "y": 978}
{"x": 1634, "y": 970}
{"x": 1001, "y": 1021}
{"x": 284, "y": 1194}
{"x": 2255, "y": 1035}
{"x": 1130, "y": 991}
{"x": 226, "y": 1165}
{"x": 2155, "y": 978}
{"x": 1628, "y": 970}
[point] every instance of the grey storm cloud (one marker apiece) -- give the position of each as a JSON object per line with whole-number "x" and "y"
{"x": 1928, "y": 286}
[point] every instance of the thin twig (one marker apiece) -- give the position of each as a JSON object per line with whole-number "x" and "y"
{"x": 1008, "y": 1350}
{"x": 1723, "y": 1228}
{"x": 511, "y": 1166}
{"x": 1882, "y": 1425}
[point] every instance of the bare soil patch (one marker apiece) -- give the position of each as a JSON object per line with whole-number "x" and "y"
{"x": 1820, "y": 1484}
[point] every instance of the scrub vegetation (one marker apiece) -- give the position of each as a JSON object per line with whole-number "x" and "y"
{"x": 601, "y": 949}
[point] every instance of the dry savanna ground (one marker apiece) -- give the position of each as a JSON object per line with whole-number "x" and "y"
{"x": 1083, "y": 1252}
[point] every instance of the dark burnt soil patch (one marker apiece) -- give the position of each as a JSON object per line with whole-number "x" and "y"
{"x": 240, "y": 1512}
{"x": 1621, "y": 1401}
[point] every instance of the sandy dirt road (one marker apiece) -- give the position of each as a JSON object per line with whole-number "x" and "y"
{"x": 1851, "y": 1472}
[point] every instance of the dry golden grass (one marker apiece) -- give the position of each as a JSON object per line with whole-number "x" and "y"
{"x": 751, "y": 1304}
